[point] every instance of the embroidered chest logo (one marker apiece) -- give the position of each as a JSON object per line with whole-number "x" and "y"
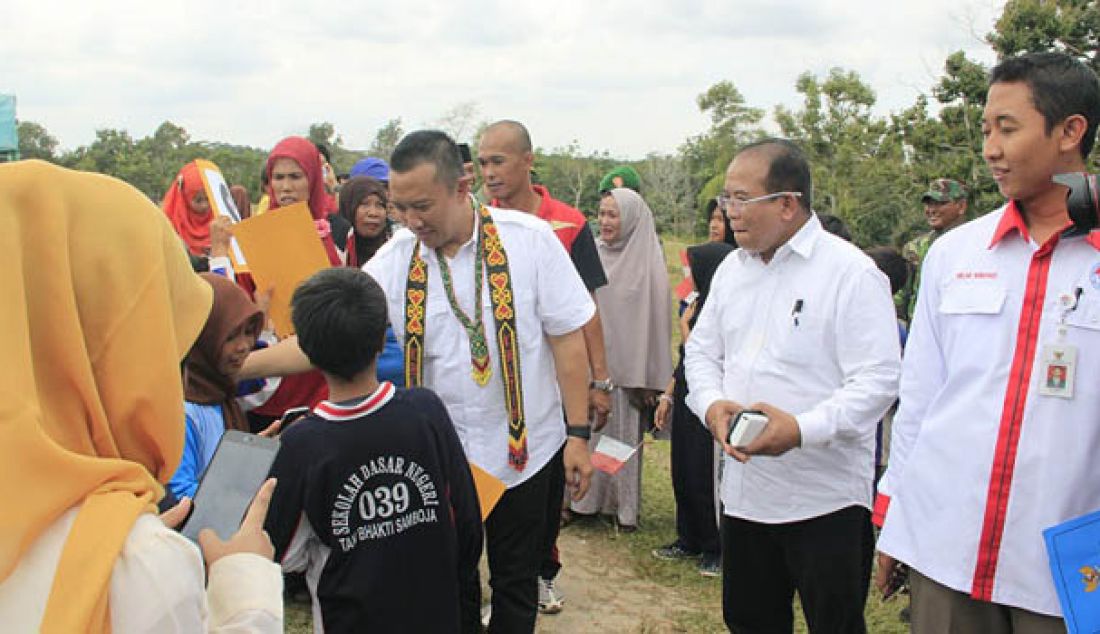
{"x": 1094, "y": 276}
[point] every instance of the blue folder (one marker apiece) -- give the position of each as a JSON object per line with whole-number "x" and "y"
{"x": 1074, "y": 551}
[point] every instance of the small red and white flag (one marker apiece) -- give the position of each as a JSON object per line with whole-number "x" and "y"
{"x": 686, "y": 286}
{"x": 611, "y": 455}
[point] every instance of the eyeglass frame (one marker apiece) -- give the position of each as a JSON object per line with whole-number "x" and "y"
{"x": 726, "y": 202}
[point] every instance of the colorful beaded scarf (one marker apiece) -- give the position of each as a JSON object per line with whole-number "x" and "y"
{"x": 491, "y": 256}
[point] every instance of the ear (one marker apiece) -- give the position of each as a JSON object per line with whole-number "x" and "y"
{"x": 1073, "y": 132}
{"x": 528, "y": 160}
{"x": 791, "y": 208}
{"x": 463, "y": 185}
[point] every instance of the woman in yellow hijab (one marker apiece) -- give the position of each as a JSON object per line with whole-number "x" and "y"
{"x": 91, "y": 419}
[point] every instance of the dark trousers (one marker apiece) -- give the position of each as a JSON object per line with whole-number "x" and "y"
{"x": 693, "y": 478}
{"x": 514, "y": 537}
{"x": 551, "y": 559}
{"x": 827, "y": 559}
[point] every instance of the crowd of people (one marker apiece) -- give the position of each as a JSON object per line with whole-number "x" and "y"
{"x": 489, "y": 325}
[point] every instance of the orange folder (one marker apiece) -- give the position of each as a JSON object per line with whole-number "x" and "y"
{"x": 489, "y": 489}
{"x": 282, "y": 250}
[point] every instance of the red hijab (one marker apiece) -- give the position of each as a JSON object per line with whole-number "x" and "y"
{"x": 193, "y": 228}
{"x": 305, "y": 154}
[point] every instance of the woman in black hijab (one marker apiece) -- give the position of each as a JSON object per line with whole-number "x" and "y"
{"x": 693, "y": 476}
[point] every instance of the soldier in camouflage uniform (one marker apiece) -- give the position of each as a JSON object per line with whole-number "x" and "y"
{"x": 945, "y": 209}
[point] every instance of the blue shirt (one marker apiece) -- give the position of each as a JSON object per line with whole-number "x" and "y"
{"x": 391, "y": 363}
{"x": 205, "y": 425}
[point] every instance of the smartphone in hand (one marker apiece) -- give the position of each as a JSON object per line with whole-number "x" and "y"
{"x": 235, "y": 473}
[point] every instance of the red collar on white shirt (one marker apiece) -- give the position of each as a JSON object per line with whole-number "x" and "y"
{"x": 369, "y": 405}
{"x": 1013, "y": 220}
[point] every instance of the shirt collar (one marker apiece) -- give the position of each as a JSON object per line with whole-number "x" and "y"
{"x": 801, "y": 243}
{"x": 356, "y": 409}
{"x": 470, "y": 242}
{"x": 1012, "y": 220}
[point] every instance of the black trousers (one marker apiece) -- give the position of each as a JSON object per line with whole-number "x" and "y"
{"x": 551, "y": 558}
{"x": 514, "y": 538}
{"x": 693, "y": 478}
{"x": 827, "y": 559}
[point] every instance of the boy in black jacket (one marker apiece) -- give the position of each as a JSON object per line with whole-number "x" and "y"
{"x": 375, "y": 498}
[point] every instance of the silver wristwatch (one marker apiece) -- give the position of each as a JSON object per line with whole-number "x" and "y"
{"x": 604, "y": 386}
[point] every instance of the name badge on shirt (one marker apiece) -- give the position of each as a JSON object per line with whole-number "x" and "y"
{"x": 1057, "y": 370}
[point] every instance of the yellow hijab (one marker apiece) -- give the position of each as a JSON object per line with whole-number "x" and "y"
{"x": 99, "y": 306}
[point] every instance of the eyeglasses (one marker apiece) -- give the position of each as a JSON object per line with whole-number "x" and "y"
{"x": 725, "y": 203}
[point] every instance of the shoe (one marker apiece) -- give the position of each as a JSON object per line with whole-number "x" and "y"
{"x": 674, "y": 552}
{"x": 550, "y": 601}
{"x": 711, "y": 566}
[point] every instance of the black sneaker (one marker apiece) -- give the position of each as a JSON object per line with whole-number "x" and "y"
{"x": 674, "y": 552}
{"x": 711, "y": 566}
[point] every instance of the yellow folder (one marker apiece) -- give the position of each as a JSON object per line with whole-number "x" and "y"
{"x": 282, "y": 250}
{"x": 489, "y": 489}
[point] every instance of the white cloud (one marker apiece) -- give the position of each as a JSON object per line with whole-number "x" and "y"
{"x": 617, "y": 75}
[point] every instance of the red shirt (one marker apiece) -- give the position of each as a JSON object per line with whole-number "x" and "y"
{"x": 566, "y": 221}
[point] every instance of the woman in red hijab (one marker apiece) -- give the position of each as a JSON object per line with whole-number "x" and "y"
{"x": 294, "y": 175}
{"x": 188, "y": 209}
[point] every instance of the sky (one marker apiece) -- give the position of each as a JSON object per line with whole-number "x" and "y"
{"x": 613, "y": 75}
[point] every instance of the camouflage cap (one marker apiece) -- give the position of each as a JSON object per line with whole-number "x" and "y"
{"x": 943, "y": 190}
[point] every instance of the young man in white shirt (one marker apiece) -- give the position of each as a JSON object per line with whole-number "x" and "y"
{"x": 491, "y": 309}
{"x": 800, "y": 326}
{"x": 993, "y": 442}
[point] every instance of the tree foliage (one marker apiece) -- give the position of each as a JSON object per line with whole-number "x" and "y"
{"x": 868, "y": 168}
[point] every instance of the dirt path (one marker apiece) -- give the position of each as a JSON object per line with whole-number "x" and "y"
{"x": 603, "y": 593}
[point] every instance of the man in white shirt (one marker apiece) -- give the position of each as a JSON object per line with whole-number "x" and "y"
{"x": 800, "y": 326}
{"x": 993, "y": 442}
{"x": 490, "y": 309}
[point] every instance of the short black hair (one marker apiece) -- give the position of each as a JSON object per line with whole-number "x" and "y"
{"x": 893, "y": 264}
{"x": 835, "y": 225}
{"x": 1061, "y": 87}
{"x": 323, "y": 149}
{"x": 340, "y": 318}
{"x": 789, "y": 170}
{"x": 429, "y": 146}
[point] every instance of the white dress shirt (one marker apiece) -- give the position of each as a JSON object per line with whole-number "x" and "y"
{"x": 158, "y": 585}
{"x": 550, "y": 299}
{"x": 981, "y": 462}
{"x": 814, "y": 333}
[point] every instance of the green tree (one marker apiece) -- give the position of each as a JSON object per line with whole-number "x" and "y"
{"x": 35, "y": 142}
{"x": 706, "y": 156}
{"x": 1027, "y": 26}
{"x": 386, "y": 139}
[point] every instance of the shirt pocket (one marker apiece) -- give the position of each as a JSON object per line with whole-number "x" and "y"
{"x": 800, "y": 343}
{"x": 970, "y": 298}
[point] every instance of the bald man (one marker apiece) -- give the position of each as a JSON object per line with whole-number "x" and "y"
{"x": 506, "y": 156}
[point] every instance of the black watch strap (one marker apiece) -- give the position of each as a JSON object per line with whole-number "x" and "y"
{"x": 579, "y": 431}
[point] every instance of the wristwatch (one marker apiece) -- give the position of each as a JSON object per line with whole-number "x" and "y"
{"x": 579, "y": 431}
{"x": 605, "y": 386}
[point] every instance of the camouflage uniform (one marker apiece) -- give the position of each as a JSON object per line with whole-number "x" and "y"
{"x": 940, "y": 190}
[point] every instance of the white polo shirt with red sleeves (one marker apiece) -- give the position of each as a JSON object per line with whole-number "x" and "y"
{"x": 981, "y": 462}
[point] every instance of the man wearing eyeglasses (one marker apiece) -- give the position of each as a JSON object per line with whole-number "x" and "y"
{"x": 800, "y": 327}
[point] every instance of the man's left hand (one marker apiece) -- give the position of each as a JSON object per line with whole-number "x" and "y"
{"x": 780, "y": 435}
{"x": 578, "y": 466}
